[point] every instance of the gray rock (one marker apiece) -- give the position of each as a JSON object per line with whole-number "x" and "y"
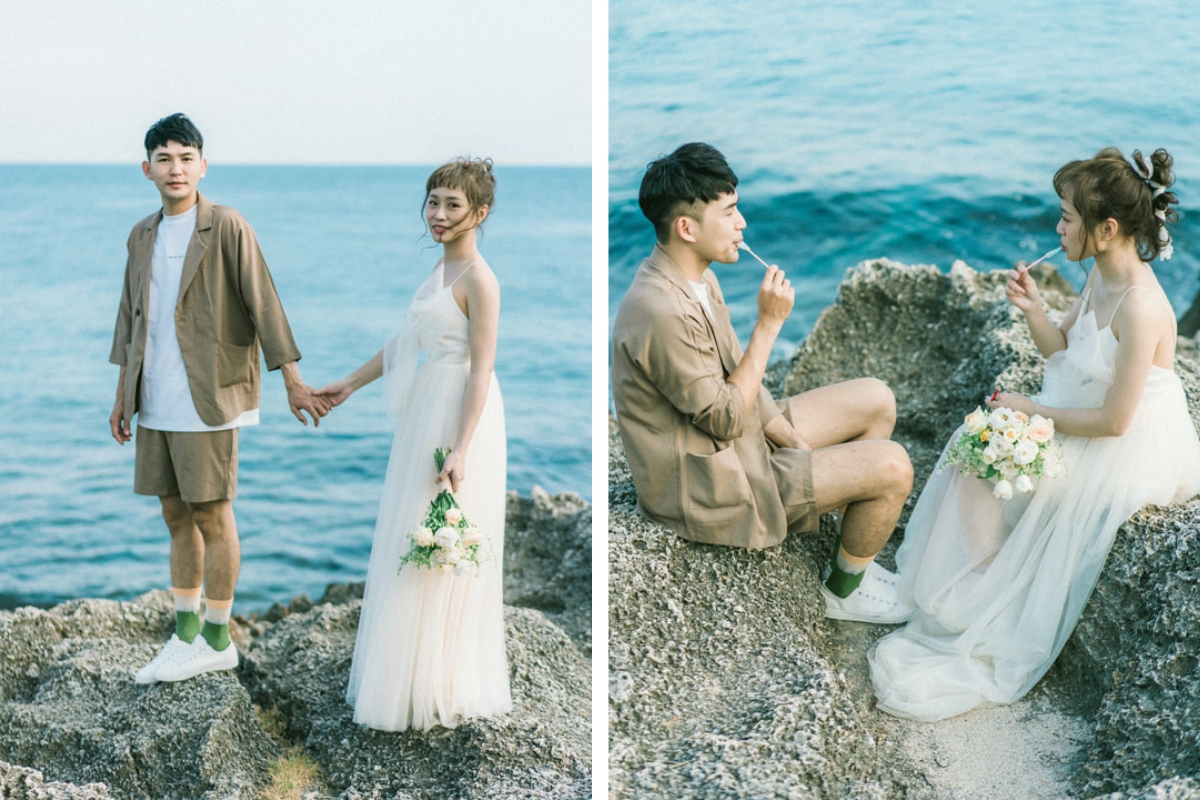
{"x": 548, "y": 560}
{"x": 725, "y": 681}
{"x": 70, "y": 707}
{"x": 22, "y": 783}
{"x": 540, "y": 750}
{"x": 74, "y": 725}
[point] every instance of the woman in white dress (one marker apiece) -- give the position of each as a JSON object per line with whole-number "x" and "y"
{"x": 1000, "y": 585}
{"x": 430, "y": 644}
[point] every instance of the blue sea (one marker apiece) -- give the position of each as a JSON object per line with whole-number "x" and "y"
{"x": 923, "y": 132}
{"x": 346, "y": 249}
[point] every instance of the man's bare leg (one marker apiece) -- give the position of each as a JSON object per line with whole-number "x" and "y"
{"x": 851, "y": 411}
{"x": 187, "y": 565}
{"x": 222, "y": 560}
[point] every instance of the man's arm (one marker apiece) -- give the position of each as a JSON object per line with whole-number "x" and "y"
{"x": 775, "y": 299}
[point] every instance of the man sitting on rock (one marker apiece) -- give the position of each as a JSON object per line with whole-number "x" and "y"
{"x": 712, "y": 455}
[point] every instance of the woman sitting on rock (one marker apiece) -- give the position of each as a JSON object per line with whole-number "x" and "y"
{"x": 1000, "y": 584}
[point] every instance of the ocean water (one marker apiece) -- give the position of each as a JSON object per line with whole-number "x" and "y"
{"x": 921, "y": 132}
{"x": 346, "y": 249}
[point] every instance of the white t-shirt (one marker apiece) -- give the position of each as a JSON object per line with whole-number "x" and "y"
{"x": 701, "y": 290}
{"x": 166, "y": 399}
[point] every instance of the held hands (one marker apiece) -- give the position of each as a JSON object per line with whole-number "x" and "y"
{"x": 776, "y": 296}
{"x": 452, "y": 470}
{"x": 1021, "y": 290}
{"x": 335, "y": 393}
{"x": 302, "y": 398}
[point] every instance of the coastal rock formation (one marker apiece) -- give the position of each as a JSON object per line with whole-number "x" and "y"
{"x": 74, "y": 725}
{"x": 725, "y": 680}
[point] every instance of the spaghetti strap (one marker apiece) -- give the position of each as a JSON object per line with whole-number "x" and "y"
{"x": 1170, "y": 311}
{"x": 459, "y": 275}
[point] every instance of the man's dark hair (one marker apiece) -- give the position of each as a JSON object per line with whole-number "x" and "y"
{"x": 694, "y": 173}
{"x": 175, "y": 128}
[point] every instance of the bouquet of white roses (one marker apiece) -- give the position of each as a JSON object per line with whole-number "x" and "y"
{"x": 445, "y": 541}
{"x": 1008, "y": 448}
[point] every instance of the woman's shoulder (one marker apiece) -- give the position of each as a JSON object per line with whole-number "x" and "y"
{"x": 479, "y": 276}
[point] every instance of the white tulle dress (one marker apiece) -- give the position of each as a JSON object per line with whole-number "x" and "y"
{"x": 1000, "y": 585}
{"x": 430, "y": 647}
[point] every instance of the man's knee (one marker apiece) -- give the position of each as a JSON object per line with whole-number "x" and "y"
{"x": 176, "y": 513}
{"x": 214, "y": 519}
{"x": 895, "y": 469}
{"x": 881, "y": 398}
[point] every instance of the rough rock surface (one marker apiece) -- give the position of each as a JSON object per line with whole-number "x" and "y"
{"x": 724, "y": 678}
{"x": 74, "y": 725}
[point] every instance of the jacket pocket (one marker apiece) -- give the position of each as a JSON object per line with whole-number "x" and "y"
{"x": 716, "y": 481}
{"x": 235, "y": 364}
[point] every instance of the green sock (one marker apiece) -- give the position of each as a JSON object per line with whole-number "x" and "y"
{"x": 216, "y": 635}
{"x": 187, "y": 625}
{"x": 841, "y": 582}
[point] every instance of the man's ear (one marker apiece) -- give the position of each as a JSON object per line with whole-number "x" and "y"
{"x": 685, "y": 228}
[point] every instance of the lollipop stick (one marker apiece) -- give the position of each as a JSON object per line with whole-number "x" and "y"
{"x": 1028, "y": 267}
{"x": 746, "y": 247}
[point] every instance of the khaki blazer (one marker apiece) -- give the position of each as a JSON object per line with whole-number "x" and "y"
{"x": 701, "y": 465}
{"x": 227, "y": 306}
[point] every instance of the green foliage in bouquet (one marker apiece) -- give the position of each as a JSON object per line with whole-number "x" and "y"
{"x": 445, "y": 540}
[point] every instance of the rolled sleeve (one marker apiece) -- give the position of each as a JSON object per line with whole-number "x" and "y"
{"x": 679, "y": 356}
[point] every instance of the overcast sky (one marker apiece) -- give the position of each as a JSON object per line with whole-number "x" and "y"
{"x": 305, "y": 81}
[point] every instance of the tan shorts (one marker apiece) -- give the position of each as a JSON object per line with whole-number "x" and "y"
{"x": 793, "y": 474}
{"x": 199, "y": 467}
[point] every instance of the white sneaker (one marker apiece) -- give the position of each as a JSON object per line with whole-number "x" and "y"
{"x": 173, "y": 647}
{"x": 873, "y": 601}
{"x": 878, "y": 573}
{"x": 197, "y": 659}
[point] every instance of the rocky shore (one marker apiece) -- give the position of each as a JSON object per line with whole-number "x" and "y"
{"x": 727, "y": 682}
{"x": 73, "y": 724}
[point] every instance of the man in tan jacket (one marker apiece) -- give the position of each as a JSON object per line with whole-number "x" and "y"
{"x": 712, "y": 455}
{"x": 197, "y": 303}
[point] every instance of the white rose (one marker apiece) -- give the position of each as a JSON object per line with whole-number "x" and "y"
{"x": 1003, "y": 490}
{"x": 472, "y": 535}
{"x": 454, "y": 515}
{"x": 1051, "y": 466}
{"x": 1025, "y": 453}
{"x": 1023, "y": 484}
{"x": 423, "y": 537}
{"x": 976, "y": 421}
{"x": 1000, "y": 446}
{"x": 445, "y": 538}
{"x": 1000, "y": 418}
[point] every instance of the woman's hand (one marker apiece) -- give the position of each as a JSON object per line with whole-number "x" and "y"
{"x": 1014, "y": 400}
{"x": 335, "y": 393}
{"x": 453, "y": 469}
{"x": 1021, "y": 290}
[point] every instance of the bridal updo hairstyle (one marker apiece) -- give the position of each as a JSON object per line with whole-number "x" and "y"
{"x": 1108, "y": 186}
{"x": 696, "y": 173}
{"x": 471, "y": 176}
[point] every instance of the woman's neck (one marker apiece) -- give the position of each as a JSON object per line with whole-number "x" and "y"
{"x": 1119, "y": 267}
{"x": 461, "y": 250}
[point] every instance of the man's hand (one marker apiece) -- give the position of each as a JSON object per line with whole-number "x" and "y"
{"x": 776, "y": 296}
{"x": 301, "y": 397}
{"x": 118, "y": 423}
